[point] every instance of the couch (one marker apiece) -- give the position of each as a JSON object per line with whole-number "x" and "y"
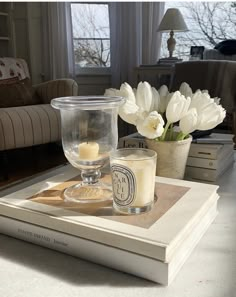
{"x": 26, "y": 116}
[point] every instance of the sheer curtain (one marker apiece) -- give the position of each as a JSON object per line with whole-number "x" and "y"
{"x": 134, "y": 37}
{"x": 58, "y": 40}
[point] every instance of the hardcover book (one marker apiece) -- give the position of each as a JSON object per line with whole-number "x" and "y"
{"x": 224, "y": 152}
{"x": 211, "y": 175}
{"x": 220, "y": 138}
{"x": 156, "y": 243}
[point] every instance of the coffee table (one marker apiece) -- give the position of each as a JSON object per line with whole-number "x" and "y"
{"x": 30, "y": 270}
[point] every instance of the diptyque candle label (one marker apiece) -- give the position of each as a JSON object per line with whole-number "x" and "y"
{"x": 124, "y": 185}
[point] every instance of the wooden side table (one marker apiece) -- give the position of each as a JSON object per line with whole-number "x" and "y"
{"x": 156, "y": 75}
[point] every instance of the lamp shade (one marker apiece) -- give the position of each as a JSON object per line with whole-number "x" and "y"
{"x": 173, "y": 21}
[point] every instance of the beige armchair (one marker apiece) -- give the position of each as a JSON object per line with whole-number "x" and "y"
{"x": 32, "y": 121}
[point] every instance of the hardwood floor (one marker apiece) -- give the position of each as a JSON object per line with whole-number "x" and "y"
{"x": 29, "y": 161}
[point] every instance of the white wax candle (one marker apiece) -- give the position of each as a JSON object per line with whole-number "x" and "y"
{"x": 88, "y": 150}
{"x": 144, "y": 172}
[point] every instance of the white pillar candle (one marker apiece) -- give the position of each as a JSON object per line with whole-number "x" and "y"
{"x": 88, "y": 150}
{"x": 135, "y": 177}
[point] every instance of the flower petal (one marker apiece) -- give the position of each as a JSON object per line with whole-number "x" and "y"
{"x": 155, "y": 98}
{"x": 186, "y": 90}
{"x": 127, "y": 92}
{"x": 188, "y": 123}
{"x": 177, "y": 107}
{"x": 152, "y": 126}
{"x": 112, "y": 92}
{"x": 128, "y": 112}
{"x": 144, "y": 96}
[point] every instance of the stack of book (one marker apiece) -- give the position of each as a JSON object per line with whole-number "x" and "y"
{"x": 153, "y": 245}
{"x": 209, "y": 157}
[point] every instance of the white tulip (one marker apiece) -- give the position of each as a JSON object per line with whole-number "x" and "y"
{"x": 144, "y": 96}
{"x": 186, "y": 90}
{"x": 156, "y": 99}
{"x": 210, "y": 117}
{"x": 188, "y": 123}
{"x": 112, "y": 92}
{"x": 164, "y": 98}
{"x": 152, "y": 126}
{"x": 129, "y": 112}
{"x": 177, "y": 107}
{"x": 200, "y": 101}
{"x": 127, "y": 92}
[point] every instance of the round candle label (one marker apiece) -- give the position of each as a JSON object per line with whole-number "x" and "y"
{"x": 124, "y": 184}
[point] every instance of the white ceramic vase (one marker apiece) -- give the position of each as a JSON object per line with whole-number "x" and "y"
{"x": 171, "y": 156}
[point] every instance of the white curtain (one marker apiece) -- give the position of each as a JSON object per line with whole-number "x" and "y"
{"x": 134, "y": 37}
{"x": 58, "y": 40}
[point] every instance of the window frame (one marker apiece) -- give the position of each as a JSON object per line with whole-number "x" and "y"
{"x": 91, "y": 70}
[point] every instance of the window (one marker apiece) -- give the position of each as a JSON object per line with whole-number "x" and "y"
{"x": 208, "y": 23}
{"x": 91, "y": 37}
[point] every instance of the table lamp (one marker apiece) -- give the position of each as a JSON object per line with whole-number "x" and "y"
{"x": 172, "y": 21}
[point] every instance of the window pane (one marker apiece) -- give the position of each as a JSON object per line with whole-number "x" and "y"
{"x": 208, "y": 23}
{"x": 92, "y": 53}
{"x": 91, "y": 33}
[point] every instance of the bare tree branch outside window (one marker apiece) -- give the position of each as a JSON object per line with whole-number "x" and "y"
{"x": 208, "y": 23}
{"x": 91, "y": 34}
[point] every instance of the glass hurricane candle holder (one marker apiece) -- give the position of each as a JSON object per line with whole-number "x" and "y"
{"x": 89, "y": 134}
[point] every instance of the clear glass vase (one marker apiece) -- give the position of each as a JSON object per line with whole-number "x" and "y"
{"x": 89, "y": 134}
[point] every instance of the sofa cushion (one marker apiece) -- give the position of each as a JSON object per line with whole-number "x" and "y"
{"x": 17, "y": 94}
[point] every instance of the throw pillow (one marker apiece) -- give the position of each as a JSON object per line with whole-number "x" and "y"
{"x": 17, "y": 94}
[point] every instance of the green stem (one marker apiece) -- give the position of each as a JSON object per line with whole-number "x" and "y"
{"x": 181, "y": 136}
{"x": 171, "y": 132}
{"x": 162, "y": 138}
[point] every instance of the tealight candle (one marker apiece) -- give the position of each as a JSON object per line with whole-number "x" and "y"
{"x": 133, "y": 179}
{"x": 88, "y": 150}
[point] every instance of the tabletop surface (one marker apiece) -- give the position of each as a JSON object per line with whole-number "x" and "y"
{"x": 210, "y": 271}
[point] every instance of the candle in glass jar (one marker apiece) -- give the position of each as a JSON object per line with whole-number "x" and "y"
{"x": 133, "y": 177}
{"x": 88, "y": 150}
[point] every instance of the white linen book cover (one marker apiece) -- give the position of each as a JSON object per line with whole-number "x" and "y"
{"x": 159, "y": 234}
{"x": 211, "y": 175}
{"x": 220, "y": 138}
{"x": 225, "y": 151}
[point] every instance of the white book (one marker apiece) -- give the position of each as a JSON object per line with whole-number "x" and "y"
{"x": 134, "y": 140}
{"x": 220, "y": 138}
{"x": 122, "y": 260}
{"x": 206, "y": 151}
{"x": 159, "y": 234}
{"x": 225, "y": 151}
{"x": 206, "y": 174}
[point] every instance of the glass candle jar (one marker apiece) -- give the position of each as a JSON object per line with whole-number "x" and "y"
{"x": 133, "y": 179}
{"x": 89, "y": 135}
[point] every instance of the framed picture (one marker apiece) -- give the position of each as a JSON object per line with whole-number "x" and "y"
{"x": 197, "y": 52}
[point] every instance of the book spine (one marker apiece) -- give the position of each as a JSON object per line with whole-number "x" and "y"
{"x": 207, "y": 174}
{"x": 86, "y": 249}
{"x": 205, "y": 152}
{"x": 203, "y": 163}
{"x": 132, "y": 143}
{"x": 201, "y": 173}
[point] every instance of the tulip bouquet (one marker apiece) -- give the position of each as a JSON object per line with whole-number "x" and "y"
{"x": 156, "y": 113}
